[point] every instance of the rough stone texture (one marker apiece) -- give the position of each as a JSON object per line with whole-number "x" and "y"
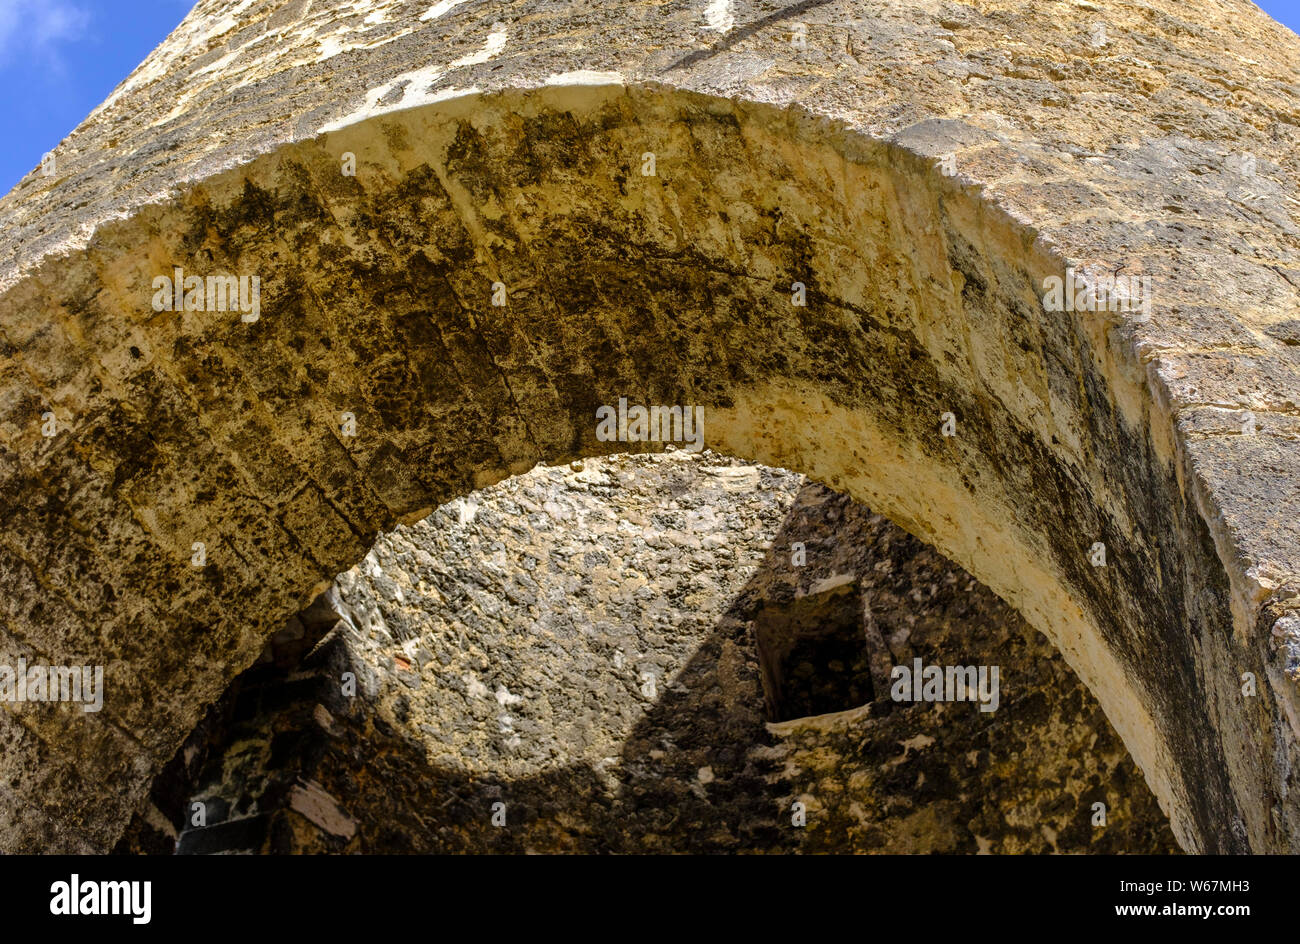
{"x": 503, "y": 142}
{"x": 500, "y": 647}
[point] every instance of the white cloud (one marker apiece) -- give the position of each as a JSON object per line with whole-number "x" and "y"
{"x": 39, "y": 26}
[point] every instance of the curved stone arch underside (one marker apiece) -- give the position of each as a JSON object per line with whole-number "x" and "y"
{"x": 923, "y": 297}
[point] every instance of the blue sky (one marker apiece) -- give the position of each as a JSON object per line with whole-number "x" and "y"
{"x": 61, "y": 58}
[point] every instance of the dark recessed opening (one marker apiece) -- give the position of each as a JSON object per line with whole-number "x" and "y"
{"x": 814, "y": 656}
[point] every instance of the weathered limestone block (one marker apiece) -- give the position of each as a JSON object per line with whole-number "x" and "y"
{"x": 920, "y": 168}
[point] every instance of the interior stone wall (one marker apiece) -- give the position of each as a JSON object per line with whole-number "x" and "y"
{"x": 501, "y": 649}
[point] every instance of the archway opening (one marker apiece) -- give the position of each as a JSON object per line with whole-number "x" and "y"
{"x": 578, "y": 659}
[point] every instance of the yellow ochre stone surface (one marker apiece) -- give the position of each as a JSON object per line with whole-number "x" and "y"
{"x": 921, "y": 168}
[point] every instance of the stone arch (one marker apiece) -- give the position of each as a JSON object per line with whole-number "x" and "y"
{"x": 923, "y": 298}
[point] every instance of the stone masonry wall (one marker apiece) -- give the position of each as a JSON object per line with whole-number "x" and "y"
{"x": 920, "y": 167}
{"x": 581, "y": 644}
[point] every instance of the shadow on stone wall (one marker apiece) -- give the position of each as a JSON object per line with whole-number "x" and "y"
{"x": 286, "y": 762}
